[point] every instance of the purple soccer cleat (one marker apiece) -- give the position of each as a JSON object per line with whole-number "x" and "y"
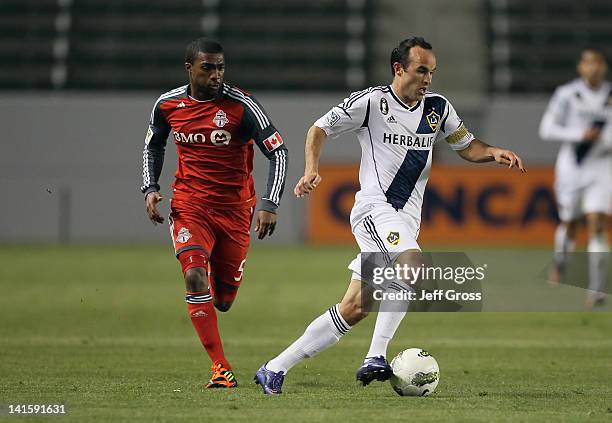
{"x": 374, "y": 368}
{"x": 271, "y": 382}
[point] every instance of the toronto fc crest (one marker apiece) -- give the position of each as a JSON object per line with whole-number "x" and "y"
{"x": 183, "y": 235}
{"x": 220, "y": 119}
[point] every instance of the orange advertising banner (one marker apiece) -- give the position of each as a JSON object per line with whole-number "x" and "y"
{"x": 478, "y": 205}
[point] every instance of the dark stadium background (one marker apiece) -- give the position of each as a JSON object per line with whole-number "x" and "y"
{"x": 79, "y": 78}
{"x": 90, "y": 303}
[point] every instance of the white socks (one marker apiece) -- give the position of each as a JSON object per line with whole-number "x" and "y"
{"x": 598, "y": 249}
{"x": 327, "y": 329}
{"x": 390, "y": 315}
{"x": 563, "y": 245}
{"x": 324, "y": 331}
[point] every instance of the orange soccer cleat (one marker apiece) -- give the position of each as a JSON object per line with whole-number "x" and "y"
{"x": 221, "y": 378}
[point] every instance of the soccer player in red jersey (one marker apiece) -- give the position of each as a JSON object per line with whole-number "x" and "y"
{"x": 214, "y": 126}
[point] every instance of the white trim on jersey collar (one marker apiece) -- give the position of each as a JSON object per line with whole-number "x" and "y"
{"x": 200, "y": 101}
{"x": 187, "y": 90}
{"x": 404, "y": 105}
{"x": 605, "y": 86}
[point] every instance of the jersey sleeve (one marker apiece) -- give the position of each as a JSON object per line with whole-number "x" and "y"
{"x": 553, "y": 126}
{"x": 605, "y": 139}
{"x": 454, "y": 131}
{"x": 154, "y": 149}
{"x": 350, "y": 115}
{"x": 257, "y": 126}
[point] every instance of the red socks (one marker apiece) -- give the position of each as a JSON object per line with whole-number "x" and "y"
{"x": 204, "y": 318}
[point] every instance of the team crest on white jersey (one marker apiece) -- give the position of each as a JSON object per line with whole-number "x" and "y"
{"x": 393, "y": 238}
{"x": 384, "y": 106}
{"x": 332, "y": 117}
{"x": 183, "y": 235}
{"x": 433, "y": 120}
{"x": 220, "y": 119}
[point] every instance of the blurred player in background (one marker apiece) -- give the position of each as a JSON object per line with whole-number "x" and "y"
{"x": 579, "y": 116}
{"x": 214, "y": 126}
{"x": 396, "y": 126}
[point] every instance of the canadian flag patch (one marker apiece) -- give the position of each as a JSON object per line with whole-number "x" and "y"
{"x": 273, "y": 141}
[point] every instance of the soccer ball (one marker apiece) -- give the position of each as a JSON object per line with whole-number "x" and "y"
{"x": 415, "y": 373}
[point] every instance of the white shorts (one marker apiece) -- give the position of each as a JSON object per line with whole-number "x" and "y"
{"x": 384, "y": 230}
{"x": 573, "y": 203}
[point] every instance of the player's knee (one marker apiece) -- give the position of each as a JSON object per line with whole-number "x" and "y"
{"x": 352, "y": 312}
{"x": 571, "y": 228}
{"x": 225, "y": 294}
{"x": 196, "y": 279}
{"x": 224, "y": 298}
{"x": 223, "y": 306}
{"x": 595, "y": 223}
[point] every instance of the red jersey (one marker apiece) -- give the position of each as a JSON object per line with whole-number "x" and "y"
{"x": 214, "y": 140}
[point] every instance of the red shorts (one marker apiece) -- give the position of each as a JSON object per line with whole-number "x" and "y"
{"x": 222, "y": 235}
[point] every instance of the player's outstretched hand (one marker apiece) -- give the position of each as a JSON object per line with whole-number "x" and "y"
{"x": 151, "y": 201}
{"x": 266, "y": 222}
{"x": 307, "y": 184}
{"x": 507, "y": 157}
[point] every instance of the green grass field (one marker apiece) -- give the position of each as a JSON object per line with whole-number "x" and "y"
{"x": 104, "y": 330}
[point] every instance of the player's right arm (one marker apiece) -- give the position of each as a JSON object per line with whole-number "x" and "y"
{"x": 153, "y": 161}
{"x": 315, "y": 139}
{"x": 350, "y": 115}
{"x": 553, "y": 126}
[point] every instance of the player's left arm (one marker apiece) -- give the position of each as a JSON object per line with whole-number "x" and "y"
{"x": 259, "y": 127}
{"x": 481, "y": 152}
{"x": 460, "y": 139}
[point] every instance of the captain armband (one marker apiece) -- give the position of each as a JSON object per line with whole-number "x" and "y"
{"x": 458, "y": 135}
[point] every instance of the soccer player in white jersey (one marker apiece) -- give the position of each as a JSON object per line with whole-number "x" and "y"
{"x": 579, "y": 116}
{"x": 396, "y": 126}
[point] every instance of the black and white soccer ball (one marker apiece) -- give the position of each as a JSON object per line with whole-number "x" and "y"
{"x": 415, "y": 373}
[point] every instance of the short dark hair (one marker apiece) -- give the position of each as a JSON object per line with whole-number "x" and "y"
{"x": 203, "y": 45}
{"x": 593, "y": 49}
{"x": 402, "y": 51}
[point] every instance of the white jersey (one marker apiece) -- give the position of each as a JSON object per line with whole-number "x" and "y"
{"x": 396, "y": 143}
{"x": 573, "y": 109}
